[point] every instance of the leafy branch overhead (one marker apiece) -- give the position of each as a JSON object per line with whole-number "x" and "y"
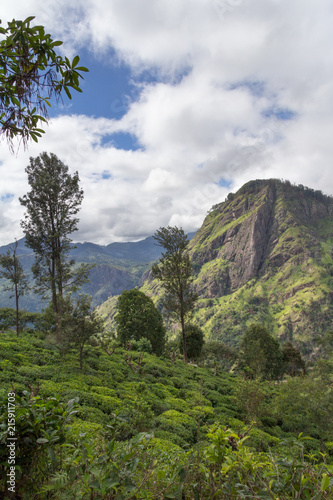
{"x": 31, "y": 73}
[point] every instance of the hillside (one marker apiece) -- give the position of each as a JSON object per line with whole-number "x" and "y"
{"x": 192, "y": 420}
{"x": 264, "y": 255}
{"x": 118, "y": 266}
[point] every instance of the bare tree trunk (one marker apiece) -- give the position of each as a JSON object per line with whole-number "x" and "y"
{"x": 17, "y": 310}
{"x": 182, "y": 321}
{"x": 81, "y": 357}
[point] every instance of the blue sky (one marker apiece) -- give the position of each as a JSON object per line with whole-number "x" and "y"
{"x": 185, "y": 101}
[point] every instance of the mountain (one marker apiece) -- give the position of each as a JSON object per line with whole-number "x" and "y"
{"x": 265, "y": 255}
{"x": 118, "y": 266}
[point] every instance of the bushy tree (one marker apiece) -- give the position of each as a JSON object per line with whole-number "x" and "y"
{"x": 305, "y": 404}
{"x": 79, "y": 323}
{"x": 50, "y": 219}
{"x": 31, "y": 72}
{"x": 175, "y": 273}
{"x": 137, "y": 317}
{"x": 293, "y": 361}
{"x": 260, "y": 354}
{"x": 194, "y": 341}
{"x": 12, "y": 271}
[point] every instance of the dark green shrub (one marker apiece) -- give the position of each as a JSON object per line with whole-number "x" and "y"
{"x": 92, "y": 414}
{"x": 194, "y": 341}
{"x": 142, "y": 345}
{"x": 137, "y": 317}
{"x": 260, "y": 354}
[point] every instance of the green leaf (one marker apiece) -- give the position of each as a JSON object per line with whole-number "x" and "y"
{"x": 182, "y": 474}
{"x": 42, "y": 440}
{"x": 29, "y": 19}
{"x": 67, "y": 92}
{"x": 82, "y": 68}
{"x": 325, "y": 482}
{"x": 75, "y": 61}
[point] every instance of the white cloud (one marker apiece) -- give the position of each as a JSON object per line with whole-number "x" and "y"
{"x": 223, "y": 71}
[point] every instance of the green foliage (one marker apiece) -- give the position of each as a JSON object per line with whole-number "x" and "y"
{"x": 137, "y": 318}
{"x": 101, "y": 455}
{"x": 51, "y": 207}
{"x": 26, "y": 319}
{"x": 79, "y": 322}
{"x": 294, "y": 363}
{"x": 260, "y": 354}
{"x": 305, "y": 405}
{"x": 228, "y": 469}
{"x": 7, "y": 318}
{"x": 142, "y": 345}
{"x": 175, "y": 273}
{"x": 31, "y": 72}
{"x": 194, "y": 341}
{"x": 250, "y": 396}
{"x": 219, "y": 355}
{"x": 17, "y": 282}
{"x": 41, "y": 427}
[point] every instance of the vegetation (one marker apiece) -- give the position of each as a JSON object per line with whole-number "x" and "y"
{"x": 194, "y": 341}
{"x": 51, "y": 206}
{"x": 138, "y": 318}
{"x": 79, "y": 323}
{"x": 127, "y": 419}
{"x": 260, "y": 354}
{"x": 31, "y": 72}
{"x": 13, "y": 272}
{"x": 176, "y": 275}
{"x": 166, "y": 431}
{"x": 283, "y": 282}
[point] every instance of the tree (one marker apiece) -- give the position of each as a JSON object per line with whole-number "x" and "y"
{"x": 194, "y": 341}
{"x": 137, "y": 318}
{"x": 51, "y": 205}
{"x": 260, "y": 354}
{"x": 293, "y": 361}
{"x": 175, "y": 272}
{"x": 31, "y": 72}
{"x": 79, "y": 323}
{"x": 13, "y": 272}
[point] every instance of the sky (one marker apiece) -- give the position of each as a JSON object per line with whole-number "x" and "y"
{"x": 185, "y": 101}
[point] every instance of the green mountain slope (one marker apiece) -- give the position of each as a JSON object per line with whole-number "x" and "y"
{"x": 265, "y": 255}
{"x": 118, "y": 266}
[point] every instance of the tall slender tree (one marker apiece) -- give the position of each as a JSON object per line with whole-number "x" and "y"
{"x": 80, "y": 322}
{"x": 50, "y": 219}
{"x": 13, "y": 272}
{"x": 175, "y": 272}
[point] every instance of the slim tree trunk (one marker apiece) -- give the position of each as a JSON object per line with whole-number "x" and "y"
{"x": 17, "y": 310}
{"x": 81, "y": 357}
{"x": 182, "y": 321}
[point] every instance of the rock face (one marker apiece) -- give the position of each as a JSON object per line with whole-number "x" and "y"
{"x": 260, "y": 228}
{"x": 265, "y": 255}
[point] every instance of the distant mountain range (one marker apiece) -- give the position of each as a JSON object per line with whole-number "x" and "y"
{"x": 118, "y": 266}
{"x": 263, "y": 255}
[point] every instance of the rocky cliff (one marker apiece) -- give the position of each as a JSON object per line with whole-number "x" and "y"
{"x": 265, "y": 254}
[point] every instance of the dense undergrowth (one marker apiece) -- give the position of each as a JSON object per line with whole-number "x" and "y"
{"x": 135, "y": 426}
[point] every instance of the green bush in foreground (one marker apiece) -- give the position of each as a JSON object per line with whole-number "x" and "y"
{"x": 57, "y": 462}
